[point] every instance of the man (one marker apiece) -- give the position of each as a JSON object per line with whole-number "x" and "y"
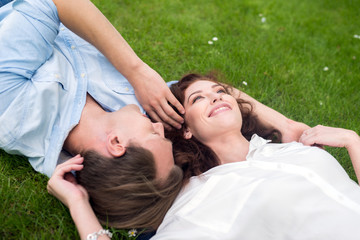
{"x": 51, "y": 80}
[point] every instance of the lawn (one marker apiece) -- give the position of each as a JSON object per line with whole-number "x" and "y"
{"x": 301, "y": 58}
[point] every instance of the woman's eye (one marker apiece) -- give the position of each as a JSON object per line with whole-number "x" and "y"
{"x": 196, "y": 98}
{"x": 221, "y": 91}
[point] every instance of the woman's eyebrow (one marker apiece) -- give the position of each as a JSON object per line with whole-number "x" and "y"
{"x": 216, "y": 85}
{"x": 199, "y": 91}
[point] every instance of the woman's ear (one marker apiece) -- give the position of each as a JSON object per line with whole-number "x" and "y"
{"x": 187, "y": 133}
{"x": 114, "y": 146}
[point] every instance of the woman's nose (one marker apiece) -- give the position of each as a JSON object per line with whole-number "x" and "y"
{"x": 216, "y": 97}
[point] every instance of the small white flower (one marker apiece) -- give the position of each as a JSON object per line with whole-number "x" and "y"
{"x": 210, "y": 42}
{"x": 214, "y": 38}
{"x": 260, "y": 15}
{"x": 356, "y": 36}
{"x": 245, "y": 83}
{"x": 321, "y": 103}
{"x": 132, "y": 233}
{"x": 326, "y": 69}
{"x": 263, "y": 19}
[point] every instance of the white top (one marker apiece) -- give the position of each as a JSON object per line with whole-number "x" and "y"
{"x": 281, "y": 191}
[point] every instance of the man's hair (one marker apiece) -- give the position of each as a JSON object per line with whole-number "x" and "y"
{"x": 195, "y": 157}
{"x": 124, "y": 191}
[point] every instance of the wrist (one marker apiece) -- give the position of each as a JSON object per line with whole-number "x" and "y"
{"x": 353, "y": 140}
{"x": 134, "y": 71}
{"x": 79, "y": 206}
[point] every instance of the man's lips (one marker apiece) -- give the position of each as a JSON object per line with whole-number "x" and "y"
{"x": 219, "y": 108}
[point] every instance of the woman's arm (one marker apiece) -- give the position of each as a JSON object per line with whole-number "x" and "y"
{"x": 63, "y": 186}
{"x": 290, "y": 130}
{"x": 83, "y": 18}
{"x": 335, "y": 137}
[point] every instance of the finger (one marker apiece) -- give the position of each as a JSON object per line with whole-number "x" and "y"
{"x": 306, "y": 138}
{"x": 171, "y": 98}
{"x": 165, "y": 118}
{"x": 171, "y": 113}
{"x": 60, "y": 172}
{"x": 167, "y": 126}
{"x": 154, "y": 117}
{"x": 74, "y": 160}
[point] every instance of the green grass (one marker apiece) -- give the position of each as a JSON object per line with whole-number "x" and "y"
{"x": 282, "y": 60}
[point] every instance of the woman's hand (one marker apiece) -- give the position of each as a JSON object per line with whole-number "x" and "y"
{"x": 335, "y": 137}
{"x": 329, "y": 136}
{"x": 63, "y": 184}
{"x": 154, "y": 96}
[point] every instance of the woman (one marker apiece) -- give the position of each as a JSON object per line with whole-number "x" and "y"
{"x": 256, "y": 189}
{"x": 281, "y": 191}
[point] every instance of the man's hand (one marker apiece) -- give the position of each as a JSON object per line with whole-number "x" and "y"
{"x": 155, "y": 96}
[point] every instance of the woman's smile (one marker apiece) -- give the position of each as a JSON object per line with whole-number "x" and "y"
{"x": 219, "y": 109}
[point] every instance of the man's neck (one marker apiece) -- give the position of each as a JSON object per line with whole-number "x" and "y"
{"x": 83, "y": 135}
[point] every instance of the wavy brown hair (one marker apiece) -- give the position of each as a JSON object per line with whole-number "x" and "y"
{"x": 190, "y": 154}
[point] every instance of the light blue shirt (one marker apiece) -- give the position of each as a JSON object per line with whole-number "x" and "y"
{"x": 45, "y": 73}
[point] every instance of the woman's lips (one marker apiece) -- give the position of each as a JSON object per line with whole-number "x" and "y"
{"x": 218, "y": 109}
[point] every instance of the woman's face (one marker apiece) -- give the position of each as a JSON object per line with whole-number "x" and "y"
{"x": 210, "y": 111}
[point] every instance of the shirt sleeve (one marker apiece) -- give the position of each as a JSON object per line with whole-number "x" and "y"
{"x": 27, "y": 35}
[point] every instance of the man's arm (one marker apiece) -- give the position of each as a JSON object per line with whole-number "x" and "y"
{"x": 290, "y": 130}
{"x": 150, "y": 89}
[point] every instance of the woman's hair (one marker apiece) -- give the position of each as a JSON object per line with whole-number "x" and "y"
{"x": 190, "y": 154}
{"x": 124, "y": 192}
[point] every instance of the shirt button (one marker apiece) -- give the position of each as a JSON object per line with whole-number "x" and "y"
{"x": 73, "y": 47}
{"x": 62, "y": 29}
{"x": 57, "y": 76}
{"x": 83, "y": 75}
{"x": 126, "y": 89}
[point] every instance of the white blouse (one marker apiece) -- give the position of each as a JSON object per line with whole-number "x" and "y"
{"x": 281, "y": 191}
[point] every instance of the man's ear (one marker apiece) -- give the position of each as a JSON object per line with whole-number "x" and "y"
{"x": 114, "y": 146}
{"x": 187, "y": 133}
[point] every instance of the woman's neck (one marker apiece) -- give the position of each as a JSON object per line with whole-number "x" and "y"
{"x": 230, "y": 148}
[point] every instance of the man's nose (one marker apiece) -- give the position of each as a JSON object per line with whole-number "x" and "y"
{"x": 159, "y": 128}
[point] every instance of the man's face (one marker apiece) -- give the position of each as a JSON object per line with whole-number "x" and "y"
{"x": 133, "y": 126}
